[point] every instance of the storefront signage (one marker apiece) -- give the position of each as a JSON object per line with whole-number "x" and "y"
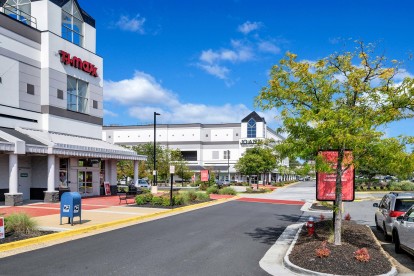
{"x": 249, "y": 142}
{"x": 204, "y": 175}
{"x": 1, "y": 228}
{"x": 78, "y": 63}
{"x": 326, "y": 182}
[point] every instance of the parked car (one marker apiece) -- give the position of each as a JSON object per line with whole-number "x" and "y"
{"x": 403, "y": 232}
{"x": 391, "y": 206}
{"x": 222, "y": 183}
{"x": 142, "y": 183}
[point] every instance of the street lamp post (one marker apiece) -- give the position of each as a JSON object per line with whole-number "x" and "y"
{"x": 228, "y": 164}
{"x": 155, "y": 148}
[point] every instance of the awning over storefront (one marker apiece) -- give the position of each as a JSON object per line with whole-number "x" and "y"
{"x": 196, "y": 167}
{"x": 43, "y": 142}
{"x": 217, "y": 168}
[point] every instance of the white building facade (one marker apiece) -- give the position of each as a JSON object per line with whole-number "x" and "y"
{"x": 214, "y": 147}
{"x": 51, "y": 103}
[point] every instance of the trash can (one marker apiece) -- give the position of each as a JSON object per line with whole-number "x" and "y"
{"x": 70, "y": 206}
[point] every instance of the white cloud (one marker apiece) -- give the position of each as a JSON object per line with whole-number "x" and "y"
{"x": 248, "y": 27}
{"x": 141, "y": 89}
{"x": 109, "y": 113}
{"x": 135, "y": 24}
{"x": 268, "y": 47}
{"x": 142, "y": 95}
{"x": 220, "y": 72}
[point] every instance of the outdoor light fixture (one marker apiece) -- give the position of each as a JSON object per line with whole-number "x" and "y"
{"x": 155, "y": 148}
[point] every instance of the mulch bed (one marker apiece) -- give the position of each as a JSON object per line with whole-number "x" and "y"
{"x": 12, "y": 237}
{"x": 341, "y": 260}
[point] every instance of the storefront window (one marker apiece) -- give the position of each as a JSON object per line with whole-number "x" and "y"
{"x": 18, "y": 9}
{"x": 251, "y": 129}
{"x": 77, "y": 91}
{"x": 63, "y": 172}
{"x": 72, "y": 23}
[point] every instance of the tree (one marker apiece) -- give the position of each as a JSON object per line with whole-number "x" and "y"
{"x": 339, "y": 102}
{"x": 165, "y": 158}
{"x": 259, "y": 159}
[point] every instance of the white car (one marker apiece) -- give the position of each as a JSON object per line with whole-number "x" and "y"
{"x": 142, "y": 183}
{"x": 403, "y": 232}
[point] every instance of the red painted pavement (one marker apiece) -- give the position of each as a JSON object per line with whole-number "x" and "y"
{"x": 272, "y": 201}
{"x": 45, "y": 209}
{"x": 215, "y": 196}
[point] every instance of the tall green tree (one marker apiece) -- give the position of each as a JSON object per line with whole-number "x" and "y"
{"x": 339, "y": 102}
{"x": 257, "y": 160}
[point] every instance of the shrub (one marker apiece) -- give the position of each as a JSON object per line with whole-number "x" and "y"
{"x": 348, "y": 217}
{"x": 140, "y": 200}
{"x": 212, "y": 190}
{"x": 407, "y": 186}
{"x": 362, "y": 255}
{"x": 323, "y": 251}
{"x": 202, "y": 196}
{"x": 178, "y": 199}
{"x": 147, "y": 197}
{"x": 227, "y": 191}
{"x": 192, "y": 196}
{"x": 20, "y": 223}
{"x": 156, "y": 201}
{"x": 261, "y": 190}
{"x": 166, "y": 201}
{"x": 145, "y": 190}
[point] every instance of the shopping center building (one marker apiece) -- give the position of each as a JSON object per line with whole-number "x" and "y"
{"x": 51, "y": 103}
{"x": 214, "y": 147}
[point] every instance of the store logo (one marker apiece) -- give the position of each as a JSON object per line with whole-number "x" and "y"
{"x": 78, "y": 63}
{"x": 249, "y": 142}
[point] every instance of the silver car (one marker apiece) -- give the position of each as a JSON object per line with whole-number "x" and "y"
{"x": 403, "y": 232}
{"x": 391, "y": 206}
{"x": 142, "y": 183}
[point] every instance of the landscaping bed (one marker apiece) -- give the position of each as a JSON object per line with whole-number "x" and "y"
{"x": 14, "y": 236}
{"x": 341, "y": 259}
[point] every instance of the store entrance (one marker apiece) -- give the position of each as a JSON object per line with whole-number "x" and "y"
{"x": 85, "y": 183}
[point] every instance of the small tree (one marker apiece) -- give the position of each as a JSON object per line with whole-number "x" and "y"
{"x": 339, "y": 102}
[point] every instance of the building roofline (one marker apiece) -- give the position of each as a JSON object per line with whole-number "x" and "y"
{"x": 109, "y": 127}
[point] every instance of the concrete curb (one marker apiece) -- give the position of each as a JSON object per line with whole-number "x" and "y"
{"x": 70, "y": 233}
{"x": 297, "y": 269}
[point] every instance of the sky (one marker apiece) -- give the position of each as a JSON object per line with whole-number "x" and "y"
{"x": 204, "y": 61}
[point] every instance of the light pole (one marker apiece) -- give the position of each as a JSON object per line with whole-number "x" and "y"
{"x": 155, "y": 148}
{"x": 228, "y": 164}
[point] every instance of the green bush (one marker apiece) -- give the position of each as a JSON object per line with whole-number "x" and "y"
{"x": 178, "y": 199}
{"x": 407, "y": 185}
{"x": 212, "y": 190}
{"x": 147, "y": 197}
{"x": 20, "y": 223}
{"x": 140, "y": 200}
{"x": 202, "y": 196}
{"x": 261, "y": 190}
{"x": 227, "y": 191}
{"x": 192, "y": 196}
{"x": 145, "y": 190}
{"x": 166, "y": 201}
{"x": 156, "y": 201}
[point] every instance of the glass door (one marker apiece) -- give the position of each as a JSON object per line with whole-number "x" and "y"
{"x": 85, "y": 183}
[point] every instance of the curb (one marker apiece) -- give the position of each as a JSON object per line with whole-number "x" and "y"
{"x": 297, "y": 269}
{"x": 70, "y": 233}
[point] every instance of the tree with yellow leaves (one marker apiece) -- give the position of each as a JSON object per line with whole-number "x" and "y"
{"x": 340, "y": 102}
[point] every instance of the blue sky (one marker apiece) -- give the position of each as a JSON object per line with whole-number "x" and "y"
{"x": 205, "y": 61}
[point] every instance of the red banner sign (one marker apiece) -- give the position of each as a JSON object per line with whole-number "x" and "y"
{"x": 1, "y": 228}
{"x": 326, "y": 182}
{"x": 78, "y": 63}
{"x": 107, "y": 188}
{"x": 204, "y": 175}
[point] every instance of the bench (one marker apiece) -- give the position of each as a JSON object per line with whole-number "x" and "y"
{"x": 129, "y": 195}
{"x": 126, "y": 196}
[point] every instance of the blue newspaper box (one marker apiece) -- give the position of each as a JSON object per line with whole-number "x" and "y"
{"x": 70, "y": 206}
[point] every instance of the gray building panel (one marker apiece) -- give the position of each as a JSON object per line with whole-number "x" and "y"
{"x": 20, "y": 28}
{"x": 29, "y": 140}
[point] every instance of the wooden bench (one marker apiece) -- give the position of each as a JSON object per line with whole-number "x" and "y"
{"x": 126, "y": 196}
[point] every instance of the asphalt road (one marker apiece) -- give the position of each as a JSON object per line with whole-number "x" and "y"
{"x": 225, "y": 239}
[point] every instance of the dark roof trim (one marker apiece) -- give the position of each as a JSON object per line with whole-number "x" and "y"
{"x": 29, "y": 140}
{"x": 115, "y": 127}
{"x": 255, "y": 117}
{"x": 85, "y": 16}
{"x": 275, "y": 133}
